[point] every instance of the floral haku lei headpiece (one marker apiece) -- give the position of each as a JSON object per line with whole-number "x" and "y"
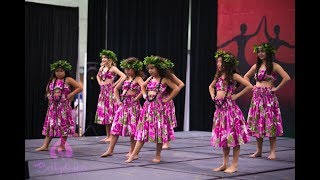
{"x": 169, "y": 63}
{"x": 264, "y": 47}
{"x": 61, "y": 64}
{"x": 109, "y": 54}
{"x": 226, "y": 57}
{"x": 159, "y": 62}
{"x": 136, "y": 65}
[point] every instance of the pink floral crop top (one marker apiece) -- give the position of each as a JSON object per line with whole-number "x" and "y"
{"x": 153, "y": 86}
{"x": 58, "y": 90}
{"x": 127, "y": 85}
{"x": 158, "y": 87}
{"x": 106, "y": 75}
{"x": 221, "y": 86}
{"x": 263, "y": 76}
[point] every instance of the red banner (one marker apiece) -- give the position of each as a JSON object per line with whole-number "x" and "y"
{"x": 241, "y": 24}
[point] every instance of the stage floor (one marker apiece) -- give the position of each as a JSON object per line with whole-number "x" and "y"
{"x": 190, "y": 157}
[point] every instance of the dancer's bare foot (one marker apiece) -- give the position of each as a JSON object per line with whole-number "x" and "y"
{"x": 156, "y": 160}
{"x": 42, "y": 148}
{"x": 106, "y": 154}
{"x": 103, "y": 140}
{"x": 165, "y": 146}
{"x": 128, "y": 155}
{"x": 61, "y": 148}
{"x": 231, "y": 169}
{"x": 256, "y": 154}
{"x": 272, "y": 156}
{"x": 108, "y": 139}
{"x": 221, "y": 168}
{"x": 132, "y": 158}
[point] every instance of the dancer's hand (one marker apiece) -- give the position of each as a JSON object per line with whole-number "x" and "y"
{"x": 213, "y": 97}
{"x": 70, "y": 97}
{"x": 234, "y": 97}
{"x": 165, "y": 100}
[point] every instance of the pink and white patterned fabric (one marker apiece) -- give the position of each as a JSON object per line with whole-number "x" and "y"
{"x": 58, "y": 121}
{"x": 170, "y": 111}
{"x": 153, "y": 124}
{"x": 106, "y": 105}
{"x": 127, "y": 114}
{"x": 264, "y": 116}
{"x": 229, "y": 127}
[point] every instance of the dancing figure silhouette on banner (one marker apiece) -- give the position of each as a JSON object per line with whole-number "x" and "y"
{"x": 241, "y": 41}
{"x": 276, "y": 42}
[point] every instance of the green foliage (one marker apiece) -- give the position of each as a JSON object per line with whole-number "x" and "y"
{"x": 226, "y": 57}
{"x": 159, "y": 62}
{"x": 136, "y": 65}
{"x": 109, "y": 54}
{"x": 264, "y": 47}
{"x": 61, "y": 64}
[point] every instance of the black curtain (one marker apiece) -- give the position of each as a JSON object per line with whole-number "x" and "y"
{"x": 96, "y": 42}
{"x": 51, "y": 33}
{"x": 96, "y": 29}
{"x": 202, "y": 66}
{"x": 141, "y": 28}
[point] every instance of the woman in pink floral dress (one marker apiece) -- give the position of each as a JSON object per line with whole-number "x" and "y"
{"x": 229, "y": 127}
{"x": 106, "y": 106}
{"x": 127, "y": 114}
{"x": 153, "y": 123}
{"x": 264, "y": 116}
{"x": 58, "y": 121}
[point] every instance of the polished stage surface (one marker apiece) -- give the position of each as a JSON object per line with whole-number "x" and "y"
{"x": 190, "y": 157}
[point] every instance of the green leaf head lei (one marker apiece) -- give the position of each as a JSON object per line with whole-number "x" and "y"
{"x": 109, "y": 54}
{"x": 131, "y": 63}
{"x": 264, "y": 47}
{"x": 227, "y": 57}
{"x": 61, "y": 64}
{"x": 158, "y": 62}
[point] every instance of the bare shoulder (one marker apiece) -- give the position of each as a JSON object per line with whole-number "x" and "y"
{"x": 236, "y": 76}
{"x": 275, "y": 64}
{"x": 69, "y": 79}
{"x": 113, "y": 68}
{"x": 166, "y": 80}
{"x": 254, "y": 66}
{"x": 138, "y": 78}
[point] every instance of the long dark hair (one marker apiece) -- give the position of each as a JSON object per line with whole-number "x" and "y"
{"x": 269, "y": 64}
{"x": 169, "y": 76}
{"x": 167, "y": 73}
{"x": 229, "y": 69}
{"x": 270, "y": 53}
